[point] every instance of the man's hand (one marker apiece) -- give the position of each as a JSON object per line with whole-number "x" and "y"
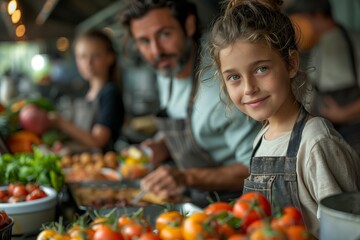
{"x": 159, "y": 151}
{"x": 165, "y": 182}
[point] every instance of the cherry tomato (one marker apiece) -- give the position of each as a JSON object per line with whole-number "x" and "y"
{"x": 4, "y": 195}
{"x": 11, "y": 187}
{"x": 16, "y": 199}
{"x": 4, "y": 219}
{"x": 224, "y": 231}
{"x": 238, "y": 236}
{"x": 196, "y": 226}
{"x": 105, "y": 232}
{"x": 134, "y": 230}
{"x": 125, "y": 220}
{"x": 46, "y": 234}
{"x": 149, "y": 236}
{"x": 31, "y": 187}
{"x": 250, "y": 207}
{"x": 78, "y": 231}
{"x": 98, "y": 222}
{"x": 36, "y": 194}
{"x": 289, "y": 216}
{"x": 298, "y": 232}
{"x": 255, "y": 225}
{"x": 267, "y": 233}
{"x": 218, "y": 207}
{"x": 174, "y": 218}
{"x": 19, "y": 191}
{"x": 171, "y": 233}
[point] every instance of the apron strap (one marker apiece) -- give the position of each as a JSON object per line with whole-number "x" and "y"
{"x": 296, "y": 133}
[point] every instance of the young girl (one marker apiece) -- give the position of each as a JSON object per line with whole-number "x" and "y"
{"x": 298, "y": 159}
{"x": 99, "y": 115}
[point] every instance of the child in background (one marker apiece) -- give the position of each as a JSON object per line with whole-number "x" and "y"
{"x": 297, "y": 159}
{"x": 99, "y": 115}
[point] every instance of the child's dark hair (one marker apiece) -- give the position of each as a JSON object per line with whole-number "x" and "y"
{"x": 256, "y": 21}
{"x": 135, "y": 9}
{"x": 103, "y": 37}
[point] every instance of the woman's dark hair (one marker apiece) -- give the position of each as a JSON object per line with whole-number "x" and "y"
{"x": 103, "y": 37}
{"x": 134, "y": 9}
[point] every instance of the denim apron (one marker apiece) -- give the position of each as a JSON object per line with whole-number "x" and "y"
{"x": 184, "y": 150}
{"x": 275, "y": 177}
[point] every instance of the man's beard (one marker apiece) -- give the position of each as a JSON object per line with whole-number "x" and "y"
{"x": 182, "y": 61}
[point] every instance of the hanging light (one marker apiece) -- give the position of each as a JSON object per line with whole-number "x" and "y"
{"x": 16, "y": 16}
{"x": 20, "y": 30}
{"x": 12, "y": 5}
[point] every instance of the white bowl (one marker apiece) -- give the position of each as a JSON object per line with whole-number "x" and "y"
{"x": 29, "y": 216}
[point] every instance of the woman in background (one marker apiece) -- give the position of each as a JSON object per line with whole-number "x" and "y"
{"x": 99, "y": 115}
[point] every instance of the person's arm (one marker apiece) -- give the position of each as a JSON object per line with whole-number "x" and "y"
{"x": 167, "y": 181}
{"x": 98, "y": 137}
{"x": 338, "y": 114}
{"x": 224, "y": 178}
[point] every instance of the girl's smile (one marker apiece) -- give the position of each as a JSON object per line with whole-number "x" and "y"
{"x": 257, "y": 80}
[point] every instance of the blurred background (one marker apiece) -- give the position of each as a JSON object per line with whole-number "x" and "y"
{"x": 36, "y": 58}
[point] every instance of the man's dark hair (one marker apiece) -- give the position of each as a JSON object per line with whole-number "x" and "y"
{"x": 134, "y": 9}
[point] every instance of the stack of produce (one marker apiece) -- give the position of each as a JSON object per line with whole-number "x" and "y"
{"x": 24, "y": 123}
{"x": 250, "y": 217}
{"x": 37, "y": 167}
{"x": 134, "y": 163}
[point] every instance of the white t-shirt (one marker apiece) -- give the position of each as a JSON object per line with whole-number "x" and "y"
{"x": 181, "y": 89}
{"x": 326, "y": 165}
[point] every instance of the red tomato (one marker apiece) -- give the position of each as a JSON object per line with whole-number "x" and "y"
{"x": 298, "y": 232}
{"x": 105, "y": 232}
{"x": 174, "y": 218}
{"x": 134, "y": 230}
{"x": 11, "y": 187}
{"x": 224, "y": 231}
{"x": 4, "y": 195}
{"x": 250, "y": 207}
{"x": 19, "y": 191}
{"x": 289, "y": 216}
{"x": 125, "y": 220}
{"x": 31, "y": 187}
{"x": 36, "y": 194}
{"x": 4, "y": 219}
{"x": 149, "y": 236}
{"x": 255, "y": 225}
{"x": 16, "y": 199}
{"x": 218, "y": 207}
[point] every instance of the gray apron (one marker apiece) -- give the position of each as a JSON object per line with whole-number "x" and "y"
{"x": 84, "y": 115}
{"x": 275, "y": 177}
{"x": 185, "y": 152}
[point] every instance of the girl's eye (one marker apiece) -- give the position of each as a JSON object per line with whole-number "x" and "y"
{"x": 232, "y": 77}
{"x": 261, "y": 69}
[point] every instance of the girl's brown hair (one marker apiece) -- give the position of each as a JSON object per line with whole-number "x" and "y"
{"x": 256, "y": 21}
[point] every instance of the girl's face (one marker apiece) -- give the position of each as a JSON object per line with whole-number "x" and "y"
{"x": 257, "y": 79}
{"x": 92, "y": 59}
